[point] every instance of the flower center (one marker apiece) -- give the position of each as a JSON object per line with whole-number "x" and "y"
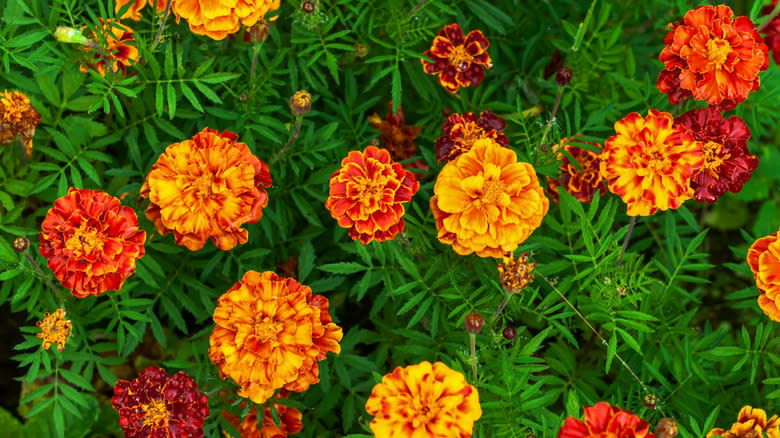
{"x": 470, "y": 133}
{"x": 712, "y": 158}
{"x": 491, "y": 191}
{"x": 658, "y": 161}
{"x": 203, "y": 185}
{"x": 267, "y": 330}
{"x": 85, "y": 240}
{"x": 422, "y": 414}
{"x": 460, "y": 58}
{"x": 718, "y": 50}
{"x": 370, "y": 191}
{"x": 155, "y": 413}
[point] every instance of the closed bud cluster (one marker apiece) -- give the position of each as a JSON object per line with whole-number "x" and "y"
{"x": 474, "y": 323}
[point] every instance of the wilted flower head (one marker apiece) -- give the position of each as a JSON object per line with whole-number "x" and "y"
{"x": 764, "y": 260}
{"x": 17, "y": 119}
{"x": 666, "y": 428}
{"x": 300, "y": 103}
{"x": 398, "y": 137}
{"x": 219, "y": 18}
{"x": 461, "y": 131}
{"x": 55, "y": 329}
{"x": 583, "y": 179}
{"x": 473, "y": 323}
{"x": 515, "y": 273}
{"x": 118, "y": 48}
{"x": 751, "y": 423}
{"x": 603, "y": 420}
{"x": 459, "y": 61}
{"x": 563, "y": 76}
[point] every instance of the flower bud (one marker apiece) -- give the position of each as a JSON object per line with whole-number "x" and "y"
{"x": 666, "y": 428}
{"x": 650, "y": 400}
{"x": 308, "y": 7}
{"x": 300, "y": 103}
{"x": 259, "y": 32}
{"x": 474, "y": 323}
{"x": 21, "y": 244}
{"x": 70, "y": 35}
{"x": 509, "y": 333}
{"x": 563, "y": 77}
{"x": 361, "y": 50}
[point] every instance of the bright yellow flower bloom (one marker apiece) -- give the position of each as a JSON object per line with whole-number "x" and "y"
{"x": 55, "y": 329}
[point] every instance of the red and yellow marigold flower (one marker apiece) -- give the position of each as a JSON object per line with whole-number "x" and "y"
{"x": 649, "y": 163}
{"x": 423, "y": 401}
{"x": 604, "y": 419}
{"x": 460, "y": 131}
{"x": 764, "y": 260}
{"x": 270, "y": 333}
{"x": 751, "y": 422}
{"x": 91, "y": 242}
{"x": 134, "y": 13}
{"x": 289, "y": 419}
{"x": 713, "y": 56}
{"x": 207, "y": 187}
{"x": 55, "y": 329}
{"x": 582, "y": 180}
{"x": 117, "y": 46}
{"x": 771, "y": 31}
{"x": 367, "y": 195}
{"x": 486, "y": 202}
{"x": 159, "y": 406}
{"x": 727, "y": 164}
{"x": 18, "y": 118}
{"x": 515, "y": 274}
{"x": 398, "y": 138}
{"x": 459, "y": 61}
{"x": 219, "y": 18}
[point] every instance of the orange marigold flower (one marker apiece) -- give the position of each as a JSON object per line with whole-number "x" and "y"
{"x": 604, "y": 419}
{"x": 17, "y": 118}
{"x": 583, "y": 179}
{"x": 649, "y": 163}
{"x": 55, "y": 329}
{"x": 459, "y": 61}
{"x": 751, "y": 423}
{"x": 425, "y": 401}
{"x": 515, "y": 273}
{"x": 289, "y": 419}
{"x": 159, "y": 406}
{"x": 764, "y": 260}
{"x": 398, "y": 138}
{"x": 118, "y": 48}
{"x": 207, "y": 187}
{"x": 367, "y": 195}
{"x": 713, "y": 56}
{"x": 134, "y": 13}
{"x": 217, "y": 19}
{"x": 771, "y": 31}
{"x": 460, "y": 131}
{"x": 91, "y": 242}
{"x": 270, "y": 333}
{"x": 487, "y": 202}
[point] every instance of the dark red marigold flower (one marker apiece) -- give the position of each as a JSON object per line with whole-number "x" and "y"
{"x": 459, "y": 61}
{"x": 398, "y": 138}
{"x": 582, "y": 180}
{"x": 727, "y": 164}
{"x": 604, "y": 420}
{"x": 155, "y": 405}
{"x": 460, "y": 131}
{"x": 771, "y": 31}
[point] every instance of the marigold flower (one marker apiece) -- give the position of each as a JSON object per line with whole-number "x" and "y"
{"x": 423, "y": 400}
{"x": 461, "y": 131}
{"x": 771, "y": 31}
{"x": 119, "y": 49}
{"x": 604, "y": 419}
{"x": 91, "y": 242}
{"x": 207, "y": 187}
{"x": 18, "y": 118}
{"x": 300, "y": 103}
{"x": 459, "y": 61}
{"x": 582, "y": 180}
{"x": 218, "y": 19}
{"x": 270, "y": 332}
{"x": 713, "y": 56}
{"x": 157, "y": 405}
{"x": 367, "y": 195}
{"x": 487, "y": 202}
{"x": 398, "y": 138}
{"x": 20, "y": 244}
{"x": 134, "y": 13}
{"x": 515, "y": 273}
{"x": 751, "y": 422}
{"x": 649, "y": 163}
{"x": 727, "y": 164}
{"x": 289, "y": 418}
{"x": 764, "y": 260}
{"x": 55, "y": 329}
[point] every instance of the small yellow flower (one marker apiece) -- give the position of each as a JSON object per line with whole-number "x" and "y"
{"x": 17, "y": 118}
{"x": 515, "y": 273}
{"x": 55, "y": 329}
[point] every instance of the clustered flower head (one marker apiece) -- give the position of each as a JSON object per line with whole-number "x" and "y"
{"x": 461, "y": 131}
{"x": 270, "y": 333}
{"x": 423, "y": 400}
{"x": 134, "y": 13}
{"x": 771, "y": 31}
{"x": 155, "y": 405}
{"x": 300, "y": 103}
{"x": 289, "y": 422}
{"x": 583, "y": 179}
{"x": 207, "y": 187}
{"x": 649, "y": 163}
{"x": 602, "y": 420}
{"x": 18, "y": 118}
{"x": 751, "y": 423}
{"x": 712, "y": 55}
{"x": 459, "y": 61}
{"x": 487, "y": 202}
{"x": 91, "y": 241}
{"x": 217, "y": 19}
{"x": 367, "y": 194}
{"x": 398, "y": 137}
{"x": 118, "y": 50}
{"x": 727, "y": 164}
{"x": 515, "y": 274}
{"x": 55, "y": 329}
{"x": 764, "y": 260}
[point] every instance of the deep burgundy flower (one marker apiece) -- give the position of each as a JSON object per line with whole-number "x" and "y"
{"x": 771, "y": 31}
{"x": 459, "y": 60}
{"x": 460, "y": 131}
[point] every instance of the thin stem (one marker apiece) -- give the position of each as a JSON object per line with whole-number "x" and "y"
{"x": 625, "y": 241}
{"x": 294, "y": 137}
{"x": 552, "y": 115}
{"x": 255, "y": 54}
{"x": 417, "y": 8}
{"x": 473, "y": 345}
{"x": 40, "y": 272}
{"x": 501, "y": 306}
{"x": 772, "y": 16}
{"x": 162, "y": 25}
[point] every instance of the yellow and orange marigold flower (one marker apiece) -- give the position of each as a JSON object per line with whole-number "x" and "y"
{"x": 367, "y": 195}
{"x": 604, "y": 419}
{"x": 713, "y": 56}
{"x": 118, "y": 48}
{"x": 582, "y": 180}
{"x": 55, "y": 329}
{"x": 460, "y": 61}
{"x": 207, "y": 187}
{"x": 134, "y": 13}
{"x": 764, "y": 260}
{"x": 219, "y": 18}
{"x": 18, "y": 118}
{"x": 649, "y": 163}
{"x": 460, "y": 131}
{"x": 398, "y": 137}
{"x": 159, "y": 406}
{"x": 515, "y": 274}
{"x": 289, "y": 419}
{"x": 486, "y": 202}
{"x": 751, "y": 423}
{"x": 270, "y": 333}
{"x": 423, "y": 401}
{"x": 91, "y": 242}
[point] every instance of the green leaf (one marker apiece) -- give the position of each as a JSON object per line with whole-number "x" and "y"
{"x": 342, "y": 268}
{"x": 187, "y": 92}
{"x": 171, "y": 100}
